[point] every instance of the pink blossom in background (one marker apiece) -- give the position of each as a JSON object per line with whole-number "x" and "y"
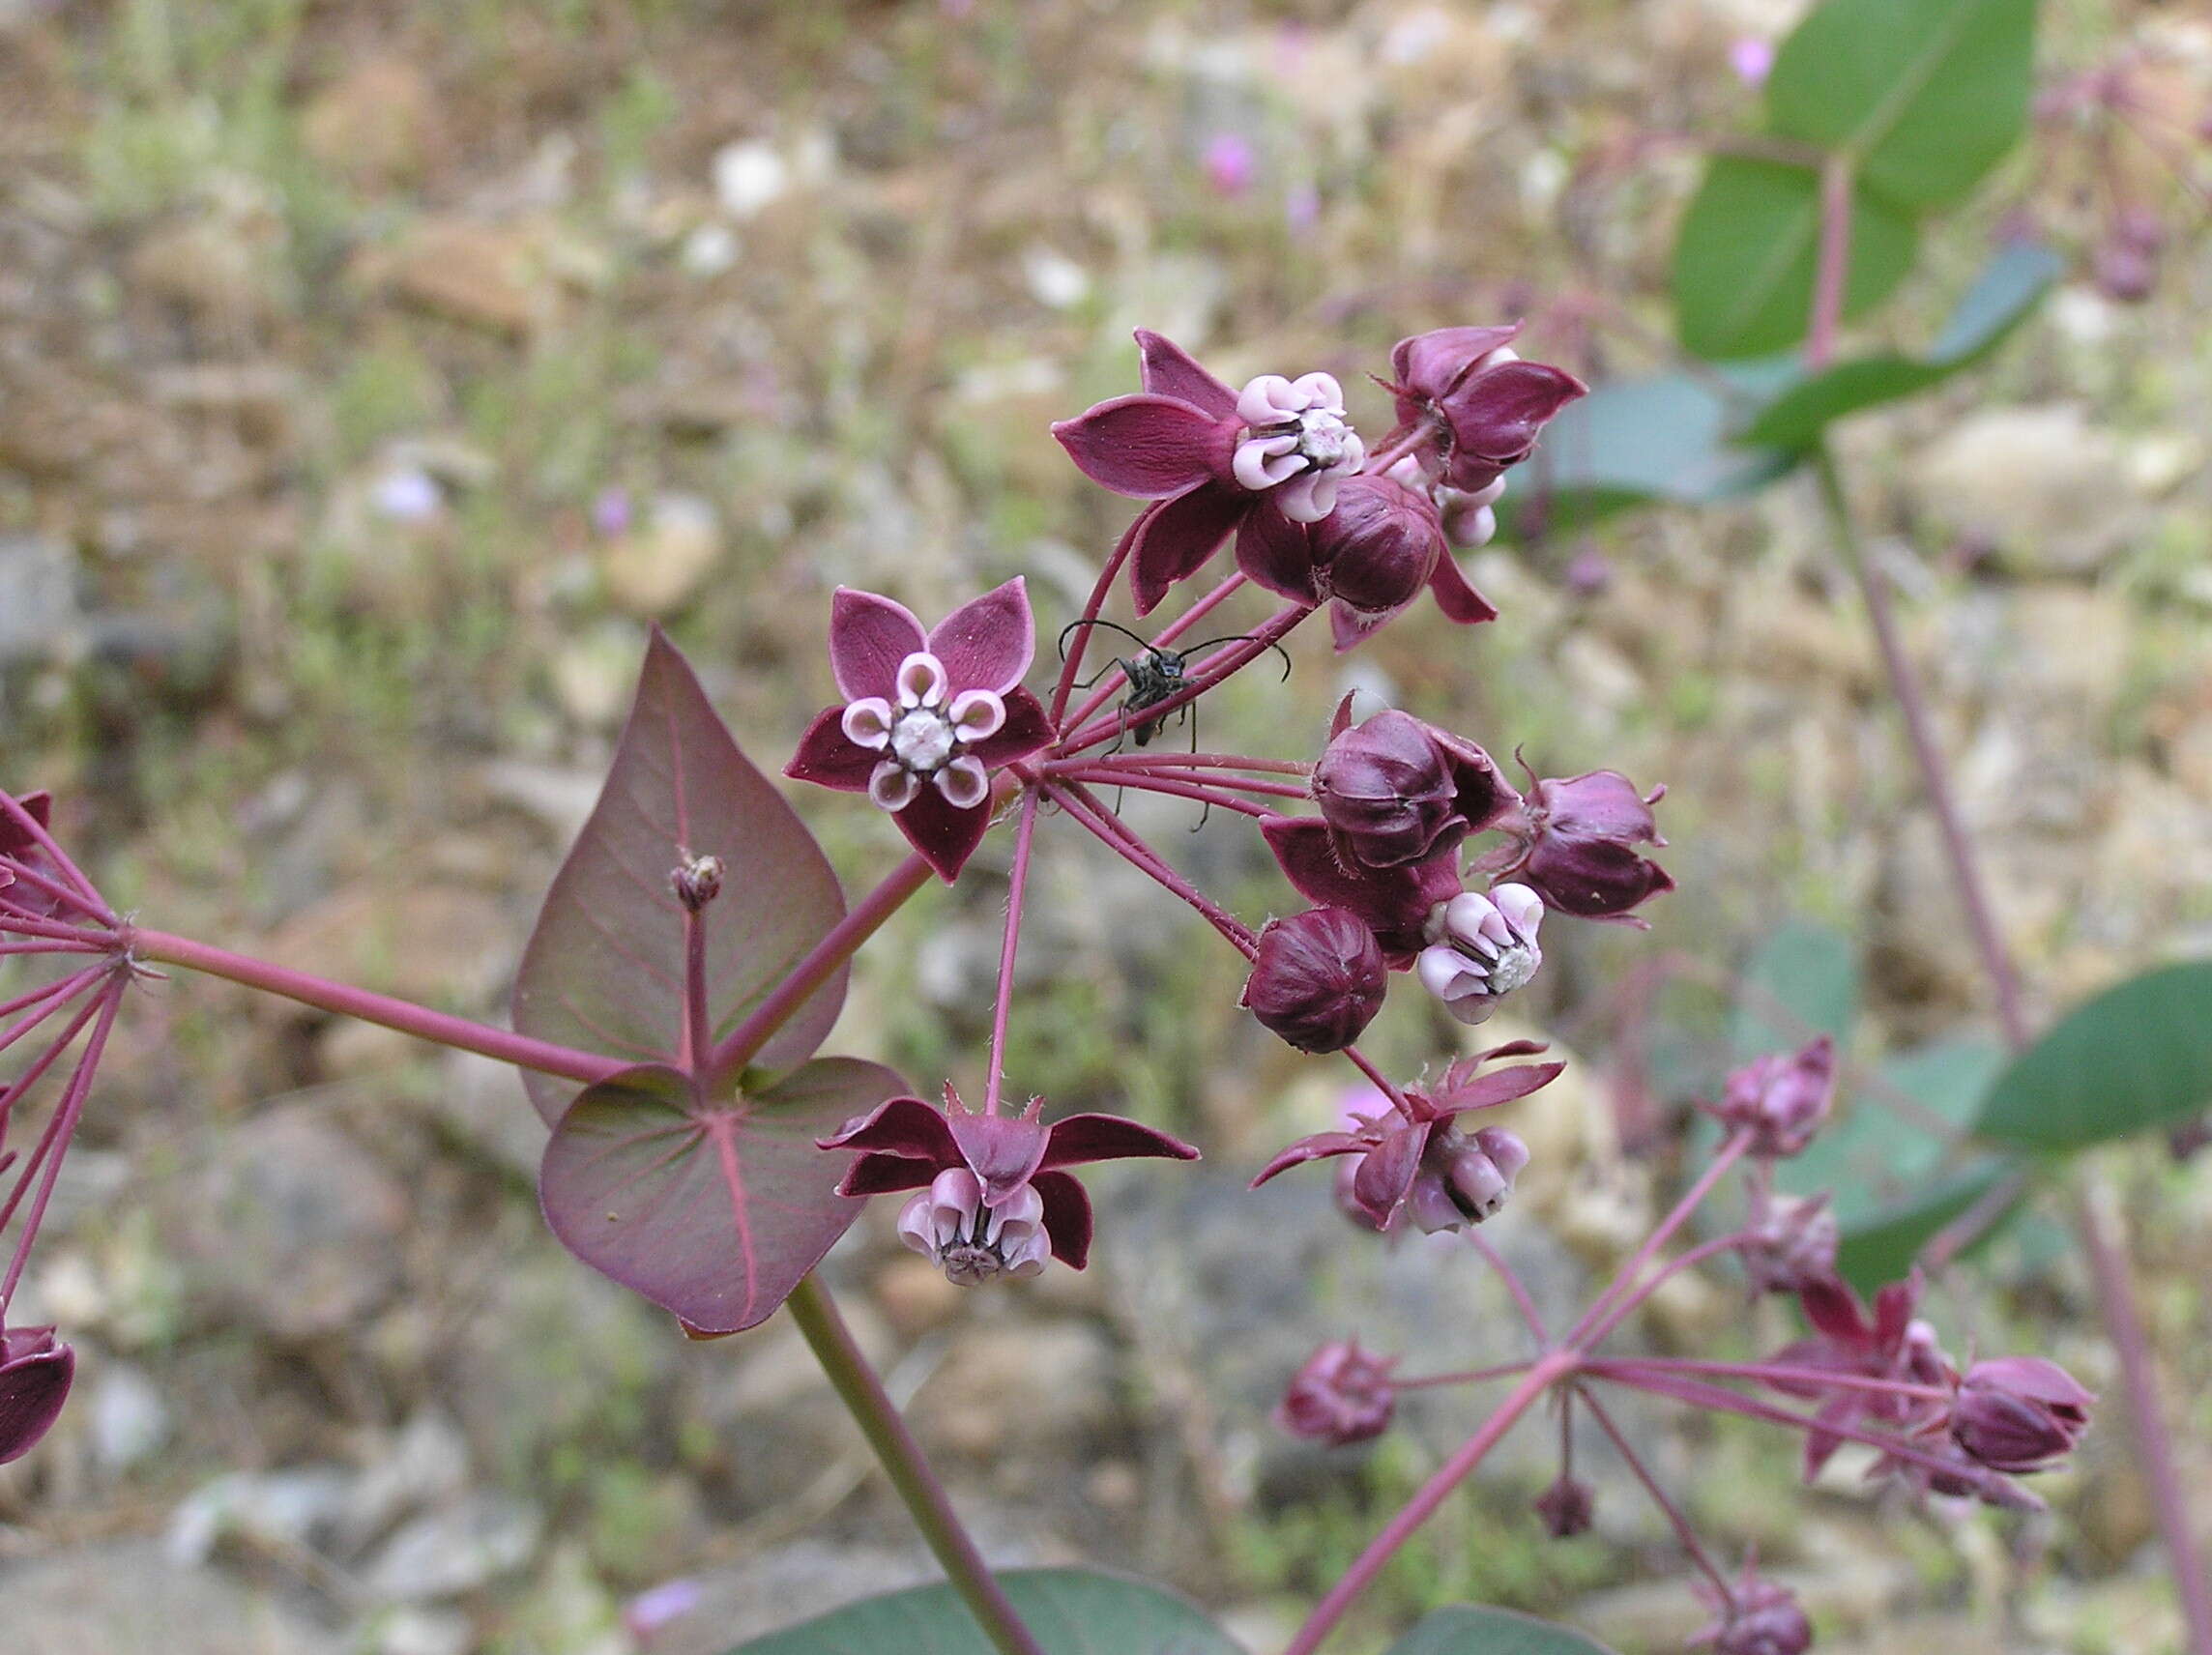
{"x": 1752, "y": 59}
{"x": 1230, "y": 164}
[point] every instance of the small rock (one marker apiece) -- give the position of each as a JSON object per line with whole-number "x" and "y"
{"x": 2039, "y": 485}
{"x": 657, "y": 569}
{"x": 376, "y": 125}
{"x": 127, "y": 1419}
{"x": 447, "y": 1552}
{"x": 748, "y": 176}
{"x": 427, "y": 1463}
{"x": 38, "y": 599}
{"x": 294, "y": 1507}
{"x": 126, "y": 1596}
{"x": 487, "y": 275}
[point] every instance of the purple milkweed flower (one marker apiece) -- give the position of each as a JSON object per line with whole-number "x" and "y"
{"x": 1575, "y": 839}
{"x": 1756, "y": 1617}
{"x": 1475, "y": 406}
{"x": 1213, "y": 462}
{"x": 927, "y": 715}
{"x": 1891, "y": 1344}
{"x": 994, "y": 1199}
{"x": 2018, "y": 1413}
{"x": 1781, "y": 1098}
{"x": 1396, "y": 903}
{"x": 1318, "y": 979}
{"x": 1419, "y": 1159}
{"x": 1486, "y": 948}
{"x": 1568, "y": 1507}
{"x": 35, "y": 1374}
{"x": 1395, "y": 789}
{"x": 1341, "y": 1395}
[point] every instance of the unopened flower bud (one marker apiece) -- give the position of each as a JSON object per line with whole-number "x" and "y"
{"x": 1342, "y": 1394}
{"x": 1579, "y": 844}
{"x": 1395, "y": 789}
{"x": 1374, "y": 552}
{"x": 1568, "y": 1507}
{"x": 697, "y": 880}
{"x": 1762, "y": 1617}
{"x": 1486, "y": 948}
{"x": 2020, "y": 1413}
{"x": 1465, "y": 1178}
{"x": 1781, "y": 1098}
{"x": 1480, "y": 405}
{"x": 35, "y": 1374}
{"x": 1790, "y": 1243}
{"x": 1318, "y": 979}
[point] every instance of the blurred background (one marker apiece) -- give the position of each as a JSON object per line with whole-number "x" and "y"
{"x": 372, "y": 374}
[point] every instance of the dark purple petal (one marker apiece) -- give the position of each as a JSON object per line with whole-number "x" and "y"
{"x": 1082, "y": 1138}
{"x": 1833, "y": 1309}
{"x": 1172, "y": 540}
{"x": 1497, "y": 415}
{"x": 1459, "y": 600}
{"x": 1387, "y": 1172}
{"x": 1430, "y": 365}
{"x": 1821, "y": 1443}
{"x": 1067, "y": 1217}
{"x": 1894, "y": 1304}
{"x": 1394, "y": 901}
{"x": 1028, "y": 727}
{"x": 868, "y": 637}
{"x": 1168, "y": 370}
{"x": 1499, "y": 1086}
{"x": 1349, "y": 628}
{"x": 887, "y": 1175}
{"x": 1593, "y": 880}
{"x": 1319, "y": 1147}
{"x": 987, "y": 643}
{"x": 944, "y": 835}
{"x": 1277, "y": 554}
{"x": 830, "y": 758}
{"x": 904, "y": 1127}
{"x": 1002, "y": 1150}
{"x": 35, "y": 1374}
{"x": 1149, "y": 448}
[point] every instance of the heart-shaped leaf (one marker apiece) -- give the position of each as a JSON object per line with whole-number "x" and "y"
{"x": 1469, "y": 1629}
{"x": 2001, "y": 298}
{"x": 1925, "y": 95}
{"x": 712, "y": 1208}
{"x": 1071, "y": 1611}
{"x": 605, "y": 969}
{"x": 1745, "y": 256}
{"x": 2138, "y": 1055}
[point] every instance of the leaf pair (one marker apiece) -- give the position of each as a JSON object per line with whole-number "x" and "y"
{"x": 711, "y": 1201}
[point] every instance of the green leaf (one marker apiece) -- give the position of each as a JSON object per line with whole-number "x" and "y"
{"x": 1745, "y": 256}
{"x": 2007, "y": 291}
{"x": 1465, "y": 1629}
{"x": 713, "y": 1210}
{"x": 2137, "y": 1057}
{"x": 1927, "y": 95}
{"x": 1803, "y": 980}
{"x": 1640, "y": 440}
{"x": 1881, "y": 1246}
{"x": 604, "y": 968}
{"x": 1072, "y": 1612}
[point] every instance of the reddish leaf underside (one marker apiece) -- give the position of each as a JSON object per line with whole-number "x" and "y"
{"x": 605, "y": 969}
{"x": 713, "y": 1211}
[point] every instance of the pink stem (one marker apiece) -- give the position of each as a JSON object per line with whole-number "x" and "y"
{"x": 698, "y": 1020}
{"x": 1382, "y": 1083}
{"x": 1769, "y": 1373}
{"x": 66, "y": 1115}
{"x": 25, "y": 874}
{"x": 1834, "y": 265}
{"x": 70, "y": 871}
{"x": 1672, "y": 1513}
{"x": 1113, "y": 766}
{"x": 1547, "y": 1372}
{"x": 1473, "y": 1377}
{"x": 1523, "y": 1301}
{"x": 29, "y": 1078}
{"x": 1017, "y": 887}
{"x": 43, "y": 945}
{"x": 1730, "y": 1153}
{"x": 1596, "y": 1332}
{"x": 1078, "y": 801}
{"x": 405, "y": 1016}
{"x": 1211, "y": 761}
{"x": 54, "y": 994}
{"x": 1145, "y": 783}
{"x": 1091, "y": 612}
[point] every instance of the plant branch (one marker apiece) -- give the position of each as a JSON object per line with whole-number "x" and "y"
{"x": 863, "y": 1393}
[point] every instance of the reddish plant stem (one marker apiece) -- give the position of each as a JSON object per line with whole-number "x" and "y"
{"x": 901, "y": 1455}
{"x": 838, "y": 945}
{"x": 1122, "y": 769}
{"x": 1092, "y": 610}
{"x": 1110, "y": 829}
{"x": 47, "y": 1000}
{"x": 1621, "y": 1310}
{"x": 1523, "y": 1300}
{"x": 29, "y": 824}
{"x": 1548, "y": 1370}
{"x": 1781, "y": 1373}
{"x": 405, "y": 1016}
{"x": 67, "y": 1113}
{"x": 60, "y": 930}
{"x": 1730, "y": 1153}
{"x": 56, "y": 946}
{"x": 24, "y": 874}
{"x": 1211, "y": 761}
{"x": 1017, "y": 887}
{"x": 698, "y": 1020}
{"x": 2115, "y": 1292}
{"x": 1473, "y": 1377}
{"x": 1146, "y": 783}
{"x": 22, "y": 1084}
{"x": 1218, "y": 667}
{"x": 1668, "y": 1509}
{"x": 1380, "y": 1082}
{"x": 1834, "y": 259}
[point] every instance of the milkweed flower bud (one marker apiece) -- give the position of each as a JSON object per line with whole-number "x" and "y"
{"x": 1790, "y": 1243}
{"x": 1782, "y": 1098}
{"x": 1318, "y": 979}
{"x": 1373, "y": 553}
{"x": 697, "y": 880}
{"x": 1759, "y": 1616}
{"x": 1394, "y": 789}
{"x": 1486, "y": 948}
{"x": 35, "y": 1374}
{"x": 1574, "y": 840}
{"x": 1342, "y": 1394}
{"x": 1465, "y": 1178}
{"x": 1568, "y": 1507}
{"x": 2020, "y": 1413}
{"x": 1480, "y": 406}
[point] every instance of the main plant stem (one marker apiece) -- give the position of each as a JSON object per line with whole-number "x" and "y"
{"x": 871, "y": 1406}
{"x": 2108, "y": 1263}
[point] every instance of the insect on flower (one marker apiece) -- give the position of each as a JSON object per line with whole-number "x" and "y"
{"x": 1157, "y": 675}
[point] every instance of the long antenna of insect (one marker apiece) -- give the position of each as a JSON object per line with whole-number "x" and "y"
{"x": 1238, "y": 638}
{"x": 1097, "y": 622}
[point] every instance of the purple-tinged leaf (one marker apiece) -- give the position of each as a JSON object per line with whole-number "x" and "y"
{"x": 605, "y": 969}
{"x": 712, "y": 1210}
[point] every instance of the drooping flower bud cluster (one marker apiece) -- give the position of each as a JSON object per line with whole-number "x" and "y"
{"x": 1342, "y": 1394}
{"x": 1780, "y": 1100}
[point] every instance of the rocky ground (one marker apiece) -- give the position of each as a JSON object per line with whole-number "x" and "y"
{"x": 371, "y": 374}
